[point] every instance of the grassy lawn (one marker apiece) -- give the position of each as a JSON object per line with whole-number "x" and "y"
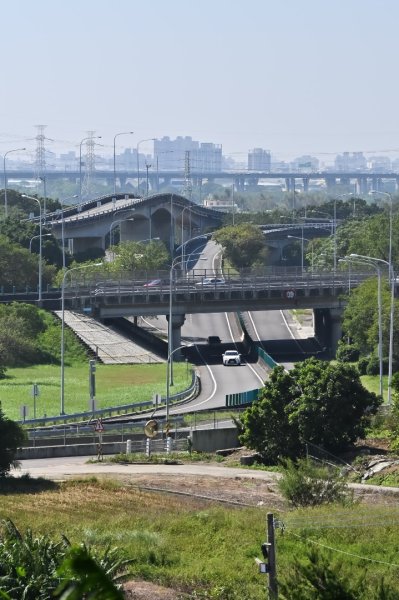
{"x": 115, "y": 385}
{"x": 372, "y": 383}
{"x": 207, "y": 549}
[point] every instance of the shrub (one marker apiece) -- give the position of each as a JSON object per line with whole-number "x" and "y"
{"x": 305, "y": 484}
{"x": 373, "y": 366}
{"x": 347, "y": 352}
{"x": 362, "y": 365}
{"x": 36, "y": 568}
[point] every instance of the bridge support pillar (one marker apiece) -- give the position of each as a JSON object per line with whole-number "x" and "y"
{"x": 328, "y": 327}
{"x": 177, "y": 323}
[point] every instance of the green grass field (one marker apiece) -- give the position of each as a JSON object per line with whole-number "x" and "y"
{"x": 115, "y": 385}
{"x": 207, "y": 549}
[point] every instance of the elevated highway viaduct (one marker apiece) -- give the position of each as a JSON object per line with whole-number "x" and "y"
{"x": 325, "y": 293}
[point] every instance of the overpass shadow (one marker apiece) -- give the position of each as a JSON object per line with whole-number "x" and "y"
{"x": 294, "y": 350}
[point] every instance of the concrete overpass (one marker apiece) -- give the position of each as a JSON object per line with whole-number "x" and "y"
{"x": 169, "y": 217}
{"x": 324, "y": 292}
{"x": 363, "y": 180}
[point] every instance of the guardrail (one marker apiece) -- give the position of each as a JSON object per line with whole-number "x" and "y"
{"x": 242, "y": 398}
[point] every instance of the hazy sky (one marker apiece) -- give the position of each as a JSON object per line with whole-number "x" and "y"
{"x": 292, "y": 76}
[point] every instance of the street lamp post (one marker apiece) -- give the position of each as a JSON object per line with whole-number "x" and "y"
{"x": 182, "y": 233}
{"x": 40, "y": 244}
{"x": 138, "y": 160}
{"x": 369, "y": 260}
{"x": 147, "y": 166}
{"x": 232, "y": 202}
{"x": 295, "y": 237}
{"x": 35, "y": 237}
{"x": 117, "y": 222}
{"x": 62, "y": 393}
{"x": 5, "y": 178}
{"x": 115, "y": 136}
{"x": 168, "y": 382}
{"x": 157, "y": 163}
{"x": 60, "y": 211}
{"x": 392, "y": 285}
{"x": 96, "y": 137}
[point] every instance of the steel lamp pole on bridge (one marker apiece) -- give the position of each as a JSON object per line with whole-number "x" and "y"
{"x": 138, "y": 158}
{"x": 40, "y": 244}
{"x": 115, "y": 136}
{"x": 302, "y": 239}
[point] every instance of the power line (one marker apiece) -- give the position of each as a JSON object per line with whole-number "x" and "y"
{"x": 366, "y": 558}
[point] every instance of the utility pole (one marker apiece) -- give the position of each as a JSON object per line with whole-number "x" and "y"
{"x": 273, "y": 589}
{"x": 267, "y": 566}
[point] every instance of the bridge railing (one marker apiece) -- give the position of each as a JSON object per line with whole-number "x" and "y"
{"x": 95, "y": 282}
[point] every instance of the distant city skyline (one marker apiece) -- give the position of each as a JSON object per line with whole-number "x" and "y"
{"x": 310, "y": 78}
{"x": 104, "y": 148}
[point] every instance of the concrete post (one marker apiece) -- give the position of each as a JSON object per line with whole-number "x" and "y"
{"x": 177, "y": 323}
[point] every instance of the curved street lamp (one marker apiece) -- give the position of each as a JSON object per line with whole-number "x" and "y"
{"x": 168, "y": 383}
{"x": 61, "y": 212}
{"x": 66, "y": 273}
{"x": 5, "y": 178}
{"x": 302, "y": 239}
{"x": 115, "y": 136}
{"x": 369, "y": 260}
{"x": 392, "y": 282}
{"x": 40, "y": 244}
{"x": 35, "y": 237}
{"x": 113, "y": 224}
{"x": 138, "y": 160}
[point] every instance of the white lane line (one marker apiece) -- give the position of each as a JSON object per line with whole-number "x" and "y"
{"x": 254, "y": 327}
{"x": 287, "y": 326}
{"x": 245, "y": 362}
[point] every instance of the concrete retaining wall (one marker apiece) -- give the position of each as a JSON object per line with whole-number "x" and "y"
{"x": 204, "y": 440}
{"x": 210, "y": 440}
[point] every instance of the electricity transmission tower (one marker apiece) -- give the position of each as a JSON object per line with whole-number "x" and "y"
{"x": 188, "y": 184}
{"x": 89, "y": 165}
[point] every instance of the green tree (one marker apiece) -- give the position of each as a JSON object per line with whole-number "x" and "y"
{"x": 316, "y": 402}
{"x": 11, "y": 438}
{"x": 131, "y": 256}
{"x": 19, "y": 268}
{"x": 244, "y": 245}
{"x": 360, "y": 323}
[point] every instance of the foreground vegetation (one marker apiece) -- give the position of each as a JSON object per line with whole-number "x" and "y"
{"x": 208, "y": 550}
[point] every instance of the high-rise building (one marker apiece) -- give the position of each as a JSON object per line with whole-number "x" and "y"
{"x": 171, "y": 154}
{"x": 351, "y": 162}
{"x": 259, "y": 160}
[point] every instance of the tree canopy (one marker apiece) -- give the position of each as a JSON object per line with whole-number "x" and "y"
{"x": 244, "y": 245}
{"x": 360, "y": 323}
{"x": 11, "y": 438}
{"x": 316, "y": 402}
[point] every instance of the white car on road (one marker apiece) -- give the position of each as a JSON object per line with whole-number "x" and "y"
{"x": 231, "y": 357}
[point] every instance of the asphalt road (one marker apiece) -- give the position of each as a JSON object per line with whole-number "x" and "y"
{"x": 72, "y": 466}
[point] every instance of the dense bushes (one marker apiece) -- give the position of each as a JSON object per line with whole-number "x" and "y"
{"x": 305, "y": 484}
{"x": 29, "y": 335}
{"x": 316, "y": 402}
